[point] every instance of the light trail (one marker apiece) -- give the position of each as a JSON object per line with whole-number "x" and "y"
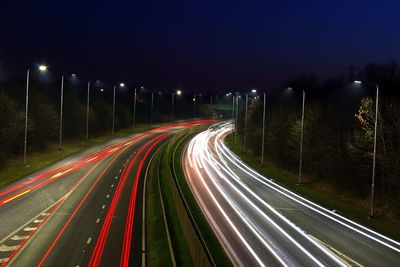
{"x": 225, "y": 178}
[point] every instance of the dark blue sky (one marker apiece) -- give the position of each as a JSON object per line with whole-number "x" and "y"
{"x": 198, "y": 44}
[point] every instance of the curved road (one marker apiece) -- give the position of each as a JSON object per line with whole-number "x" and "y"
{"x": 260, "y": 223}
{"x": 85, "y": 210}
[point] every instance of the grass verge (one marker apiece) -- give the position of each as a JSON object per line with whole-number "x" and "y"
{"x": 14, "y": 169}
{"x": 323, "y": 195}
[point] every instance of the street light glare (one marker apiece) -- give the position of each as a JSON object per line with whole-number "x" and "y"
{"x": 102, "y": 90}
{"x": 357, "y": 81}
{"x": 179, "y": 92}
{"x": 122, "y": 85}
{"x": 42, "y": 67}
{"x": 254, "y": 90}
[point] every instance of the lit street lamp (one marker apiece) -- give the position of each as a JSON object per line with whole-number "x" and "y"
{"x": 113, "y": 111}
{"x": 263, "y": 131}
{"x": 194, "y": 106}
{"x": 87, "y": 110}
{"x": 236, "y": 118}
{"x": 253, "y": 91}
{"x": 301, "y": 135}
{"x": 371, "y": 211}
{"x": 61, "y": 111}
{"x": 134, "y": 108}
{"x": 41, "y": 68}
{"x": 178, "y": 92}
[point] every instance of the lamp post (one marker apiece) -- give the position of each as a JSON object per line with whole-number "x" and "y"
{"x": 178, "y": 92}
{"x": 61, "y": 112}
{"x": 245, "y": 123}
{"x": 371, "y": 210}
{"x": 236, "y": 118}
{"x": 41, "y": 68}
{"x": 263, "y": 131}
{"x": 151, "y": 107}
{"x": 253, "y": 91}
{"x": 87, "y": 110}
{"x": 301, "y": 138}
{"x": 194, "y": 106}
{"x": 113, "y": 111}
{"x": 134, "y": 108}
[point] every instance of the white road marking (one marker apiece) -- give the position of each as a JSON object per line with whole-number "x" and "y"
{"x": 89, "y": 240}
{"x": 28, "y": 229}
{"x": 112, "y": 185}
{"x": 98, "y": 220}
{"x": 38, "y": 221}
{"x": 108, "y": 195}
{"x": 102, "y": 207}
{"x": 7, "y": 248}
{"x": 19, "y": 237}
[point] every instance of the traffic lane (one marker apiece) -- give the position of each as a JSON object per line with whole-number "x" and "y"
{"x": 126, "y": 228}
{"x": 219, "y": 220}
{"x": 286, "y": 244}
{"x": 355, "y": 247}
{"x": 18, "y": 211}
{"x": 38, "y": 245}
{"x": 36, "y": 181}
{"x": 344, "y": 241}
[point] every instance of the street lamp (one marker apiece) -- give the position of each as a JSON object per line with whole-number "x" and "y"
{"x": 61, "y": 112}
{"x": 263, "y": 131}
{"x": 134, "y": 108}
{"x": 236, "y": 117}
{"x": 371, "y": 211}
{"x": 41, "y": 68}
{"x": 113, "y": 111}
{"x": 87, "y": 110}
{"x": 301, "y": 135}
{"x": 253, "y": 91}
{"x": 194, "y": 106}
{"x": 178, "y": 92}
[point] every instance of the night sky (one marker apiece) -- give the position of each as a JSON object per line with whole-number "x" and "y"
{"x": 197, "y": 45}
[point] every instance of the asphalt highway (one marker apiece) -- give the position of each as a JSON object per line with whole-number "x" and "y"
{"x": 261, "y": 223}
{"x": 85, "y": 210}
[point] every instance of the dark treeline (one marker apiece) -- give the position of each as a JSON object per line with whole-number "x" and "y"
{"x": 338, "y": 132}
{"x": 44, "y": 111}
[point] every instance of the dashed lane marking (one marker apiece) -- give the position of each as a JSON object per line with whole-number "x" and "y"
{"x": 29, "y": 229}
{"x": 102, "y": 207}
{"x": 7, "y": 248}
{"x": 19, "y": 237}
{"x": 89, "y": 240}
{"x": 98, "y": 220}
{"x": 108, "y": 195}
